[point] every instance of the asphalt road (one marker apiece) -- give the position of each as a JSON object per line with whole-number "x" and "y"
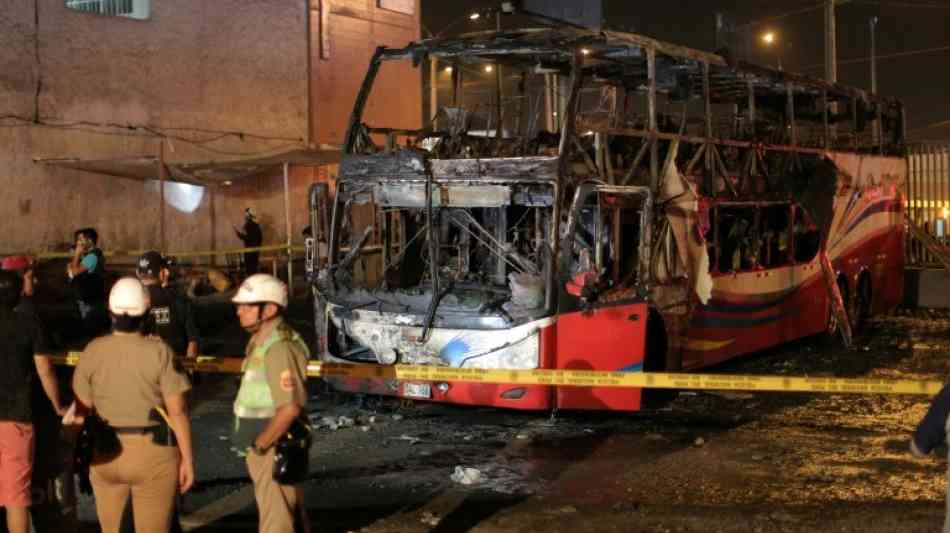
{"x": 707, "y": 462}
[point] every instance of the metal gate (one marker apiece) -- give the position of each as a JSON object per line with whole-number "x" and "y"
{"x": 928, "y": 200}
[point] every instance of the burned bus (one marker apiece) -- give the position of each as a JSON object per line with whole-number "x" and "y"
{"x": 603, "y": 201}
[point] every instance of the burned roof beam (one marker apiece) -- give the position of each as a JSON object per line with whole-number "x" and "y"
{"x": 597, "y": 126}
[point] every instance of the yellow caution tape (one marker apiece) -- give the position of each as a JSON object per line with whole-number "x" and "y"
{"x": 135, "y": 253}
{"x": 582, "y": 378}
{"x": 296, "y": 248}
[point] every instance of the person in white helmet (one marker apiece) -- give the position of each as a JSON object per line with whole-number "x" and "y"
{"x": 272, "y": 396}
{"x": 123, "y": 377}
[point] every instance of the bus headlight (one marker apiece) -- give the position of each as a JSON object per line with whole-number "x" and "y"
{"x": 519, "y": 355}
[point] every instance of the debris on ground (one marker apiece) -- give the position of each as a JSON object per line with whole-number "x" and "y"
{"x": 466, "y": 476}
{"x": 430, "y": 519}
{"x": 410, "y": 439}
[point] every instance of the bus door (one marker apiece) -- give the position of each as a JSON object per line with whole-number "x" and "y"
{"x": 602, "y": 314}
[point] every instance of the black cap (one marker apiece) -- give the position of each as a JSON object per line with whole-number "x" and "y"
{"x": 151, "y": 264}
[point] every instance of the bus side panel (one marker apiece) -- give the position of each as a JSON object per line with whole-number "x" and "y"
{"x": 607, "y": 338}
{"x": 888, "y": 267}
{"x": 738, "y": 320}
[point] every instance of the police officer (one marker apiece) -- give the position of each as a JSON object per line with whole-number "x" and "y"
{"x": 271, "y": 397}
{"x": 123, "y": 377}
{"x": 172, "y": 317}
{"x": 252, "y": 237}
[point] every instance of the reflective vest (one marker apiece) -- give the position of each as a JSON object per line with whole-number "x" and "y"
{"x": 254, "y": 399}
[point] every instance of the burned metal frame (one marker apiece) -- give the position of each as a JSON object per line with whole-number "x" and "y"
{"x": 757, "y": 137}
{"x": 762, "y": 99}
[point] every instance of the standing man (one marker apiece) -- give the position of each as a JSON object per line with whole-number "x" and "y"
{"x": 47, "y": 513}
{"x": 271, "y": 397}
{"x": 22, "y": 349}
{"x": 85, "y": 270}
{"x": 252, "y": 238}
{"x": 173, "y": 318}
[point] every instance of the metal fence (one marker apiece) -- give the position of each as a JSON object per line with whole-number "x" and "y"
{"x": 928, "y": 200}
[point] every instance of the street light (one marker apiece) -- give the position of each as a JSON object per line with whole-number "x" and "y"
{"x": 771, "y": 39}
{"x": 489, "y": 68}
{"x": 475, "y": 16}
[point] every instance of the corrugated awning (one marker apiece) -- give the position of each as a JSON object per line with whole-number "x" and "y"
{"x": 197, "y": 173}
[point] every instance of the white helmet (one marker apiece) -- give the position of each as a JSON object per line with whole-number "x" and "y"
{"x": 261, "y": 288}
{"x": 129, "y": 297}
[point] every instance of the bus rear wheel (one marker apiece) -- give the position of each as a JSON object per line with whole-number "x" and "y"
{"x": 859, "y": 309}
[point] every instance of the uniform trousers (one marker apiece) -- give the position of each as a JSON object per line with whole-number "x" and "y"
{"x": 147, "y": 471}
{"x": 277, "y": 504}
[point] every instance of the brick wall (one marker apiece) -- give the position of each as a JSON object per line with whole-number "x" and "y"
{"x": 223, "y": 65}
{"x": 354, "y": 29}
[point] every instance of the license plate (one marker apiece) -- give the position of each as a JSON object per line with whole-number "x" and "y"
{"x": 417, "y": 390}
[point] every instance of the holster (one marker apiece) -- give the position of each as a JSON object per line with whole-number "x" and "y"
{"x": 162, "y": 435}
{"x": 292, "y": 454}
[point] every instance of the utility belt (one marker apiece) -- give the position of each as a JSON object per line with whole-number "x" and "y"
{"x": 161, "y": 434}
{"x": 98, "y": 442}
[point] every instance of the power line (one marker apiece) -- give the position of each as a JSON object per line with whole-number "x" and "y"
{"x": 156, "y": 131}
{"x": 780, "y": 16}
{"x": 902, "y": 4}
{"x": 119, "y": 130}
{"x": 884, "y": 56}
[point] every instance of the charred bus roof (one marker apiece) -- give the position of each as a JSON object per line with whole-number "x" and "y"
{"x": 621, "y": 59}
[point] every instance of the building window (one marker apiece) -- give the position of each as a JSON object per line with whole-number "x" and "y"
{"x": 407, "y": 7}
{"x": 136, "y": 9}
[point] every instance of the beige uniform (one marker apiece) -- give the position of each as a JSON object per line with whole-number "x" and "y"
{"x": 124, "y": 377}
{"x": 275, "y": 371}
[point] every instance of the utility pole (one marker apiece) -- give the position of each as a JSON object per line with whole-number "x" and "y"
{"x": 499, "y": 92}
{"x": 831, "y": 52}
{"x": 873, "y": 55}
{"x": 433, "y": 88}
{"x": 720, "y": 38}
{"x": 876, "y": 124}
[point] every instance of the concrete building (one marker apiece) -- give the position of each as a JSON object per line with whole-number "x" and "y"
{"x": 115, "y": 85}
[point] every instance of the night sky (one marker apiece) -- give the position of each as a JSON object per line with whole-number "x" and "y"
{"x": 921, "y": 80}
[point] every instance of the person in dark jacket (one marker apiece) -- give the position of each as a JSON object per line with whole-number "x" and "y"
{"x": 86, "y": 272}
{"x": 252, "y": 237}
{"x": 173, "y": 318}
{"x": 932, "y": 432}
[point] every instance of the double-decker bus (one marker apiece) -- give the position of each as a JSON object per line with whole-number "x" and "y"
{"x": 603, "y": 201}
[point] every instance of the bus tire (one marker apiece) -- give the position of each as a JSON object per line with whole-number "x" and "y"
{"x": 860, "y": 309}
